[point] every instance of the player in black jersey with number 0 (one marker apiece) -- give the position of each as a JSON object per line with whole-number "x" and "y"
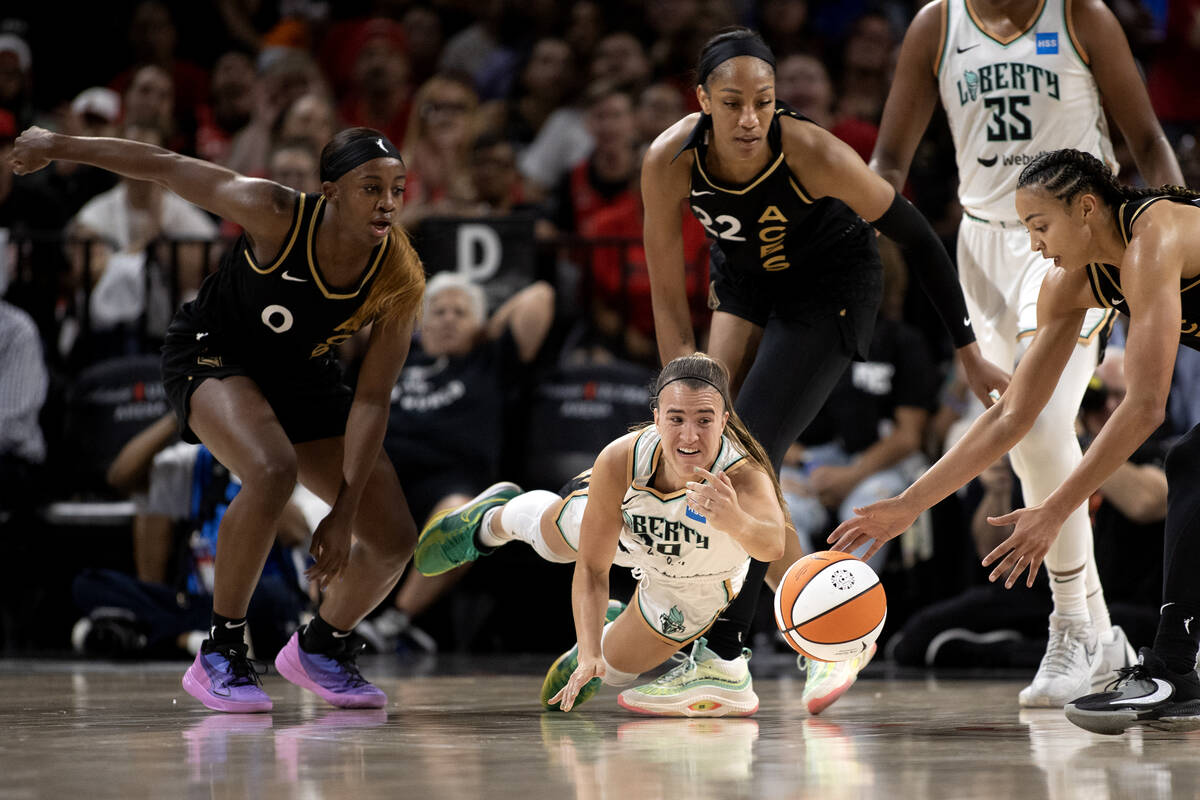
{"x": 1138, "y": 251}
{"x": 796, "y": 277}
{"x": 246, "y": 365}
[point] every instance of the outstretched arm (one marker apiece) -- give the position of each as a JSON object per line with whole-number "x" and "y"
{"x": 529, "y": 314}
{"x": 598, "y": 536}
{"x": 262, "y": 208}
{"x": 993, "y": 434}
{"x": 665, "y": 181}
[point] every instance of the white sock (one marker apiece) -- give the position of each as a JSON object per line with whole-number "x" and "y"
{"x": 612, "y": 676}
{"x": 521, "y": 517}
{"x": 489, "y": 536}
{"x": 1097, "y": 607}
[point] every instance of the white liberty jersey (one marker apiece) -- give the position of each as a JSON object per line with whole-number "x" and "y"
{"x": 1008, "y": 101}
{"x": 661, "y": 534}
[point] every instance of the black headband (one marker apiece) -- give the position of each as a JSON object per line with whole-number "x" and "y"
{"x": 359, "y": 151}
{"x": 688, "y": 378}
{"x": 732, "y": 48}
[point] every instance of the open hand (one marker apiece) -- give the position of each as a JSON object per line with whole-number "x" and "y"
{"x": 1035, "y": 531}
{"x": 716, "y": 500}
{"x": 875, "y": 524}
{"x": 588, "y": 668}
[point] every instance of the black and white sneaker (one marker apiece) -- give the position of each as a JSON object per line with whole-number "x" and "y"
{"x": 1146, "y": 693}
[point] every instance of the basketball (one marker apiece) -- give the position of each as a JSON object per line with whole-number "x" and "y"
{"x": 830, "y": 606}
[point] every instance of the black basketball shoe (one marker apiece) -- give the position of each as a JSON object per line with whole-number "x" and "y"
{"x": 1147, "y": 693}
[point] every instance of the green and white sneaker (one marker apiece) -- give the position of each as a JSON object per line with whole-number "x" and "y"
{"x": 560, "y": 671}
{"x": 702, "y": 685}
{"x": 448, "y": 541}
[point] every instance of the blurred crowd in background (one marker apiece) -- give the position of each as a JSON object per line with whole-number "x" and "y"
{"x": 522, "y": 124}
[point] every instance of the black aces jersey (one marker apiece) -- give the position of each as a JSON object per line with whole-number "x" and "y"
{"x": 281, "y": 311}
{"x": 1105, "y": 279}
{"x": 769, "y": 224}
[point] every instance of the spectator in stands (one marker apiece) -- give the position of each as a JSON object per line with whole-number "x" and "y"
{"x": 1171, "y": 82}
{"x": 29, "y": 207}
{"x": 295, "y": 164}
{"x": 149, "y": 102}
{"x": 784, "y": 25}
{"x": 284, "y": 77}
{"x": 16, "y": 78}
{"x": 129, "y": 218}
{"x": 866, "y": 65}
{"x": 659, "y": 106}
{"x": 380, "y": 94}
{"x": 423, "y": 33}
{"x": 437, "y": 145}
{"x": 802, "y": 82}
{"x": 607, "y": 177}
{"x": 180, "y": 487}
{"x": 93, "y": 112}
{"x": 23, "y": 384}
{"x": 584, "y": 27}
{"x": 621, "y": 58}
{"x": 865, "y": 443}
{"x": 447, "y": 422}
{"x": 543, "y": 81}
{"x": 229, "y": 107}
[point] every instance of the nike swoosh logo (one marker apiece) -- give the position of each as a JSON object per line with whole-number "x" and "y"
{"x": 988, "y": 162}
{"x": 1116, "y": 301}
{"x": 337, "y": 635}
{"x": 287, "y": 277}
{"x": 965, "y": 49}
{"x": 966, "y": 322}
{"x": 231, "y": 626}
{"x": 1163, "y": 692}
{"x": 698, "y": 194}
{"x": 200, "y": 336}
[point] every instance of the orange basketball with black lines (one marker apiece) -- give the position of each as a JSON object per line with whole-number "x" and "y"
{"x": 830, "y": 606}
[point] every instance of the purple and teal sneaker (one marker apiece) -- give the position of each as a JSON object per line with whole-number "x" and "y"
{"x": 334, "y": 676}
{"x": 223, "y": 679}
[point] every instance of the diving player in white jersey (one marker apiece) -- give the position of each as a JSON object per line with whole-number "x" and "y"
{"x": 1018, "y": 78}
{"x": 684, "y": 502}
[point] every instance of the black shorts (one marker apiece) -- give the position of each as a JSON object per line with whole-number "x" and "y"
{"x": 309, "y": 398}
{"x": 848, "y": 285}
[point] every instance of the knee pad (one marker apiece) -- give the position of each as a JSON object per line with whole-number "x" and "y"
{"x": 522, "y": 516}
{"x": 613, "y": 676}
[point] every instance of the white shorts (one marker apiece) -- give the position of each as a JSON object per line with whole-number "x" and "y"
{"x": 675, "y": 610}
{"x": 1001, "y": 277}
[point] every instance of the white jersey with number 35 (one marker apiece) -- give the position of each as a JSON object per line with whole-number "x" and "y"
{"x": 1008, "y": 101}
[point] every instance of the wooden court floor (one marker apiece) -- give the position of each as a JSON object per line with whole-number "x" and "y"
{"x": 73, "y": 729}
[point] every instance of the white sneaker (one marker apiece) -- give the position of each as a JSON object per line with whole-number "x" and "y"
{"x": 1113, "y": 656}
{"x": 702, "y": 685}
{"x": 1066, "y": 670}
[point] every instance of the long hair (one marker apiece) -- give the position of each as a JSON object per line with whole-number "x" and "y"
{"x": 700, "y": 371}
{"x": 1065, "y": 174}
{"x": 398, "y": 289}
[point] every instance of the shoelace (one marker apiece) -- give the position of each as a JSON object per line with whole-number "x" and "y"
{"x": 1058, "y": 652}
{"x": 242, "y": 667}
{"x": 1134, "y": 672}
{"x": 687, "y": 665}
{"x": 347, "y": 660}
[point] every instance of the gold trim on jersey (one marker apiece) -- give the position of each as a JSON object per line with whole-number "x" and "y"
{"x": 762, "y": 176}
{"x": 943, "y": 38}
{"x": 287, "y": 248}
{"x": 312, "y": 262}
{"x": 799, "y": 191}
{"x": 1093, "y": 273}
{"x": 1069, "y": 16}
{"x": 1127, "y": 229}
{"x": 1033, "y": 20}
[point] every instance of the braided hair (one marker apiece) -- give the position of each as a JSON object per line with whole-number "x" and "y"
{"x": 1067, "y": 173}
{"x": 700, "y": 371}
